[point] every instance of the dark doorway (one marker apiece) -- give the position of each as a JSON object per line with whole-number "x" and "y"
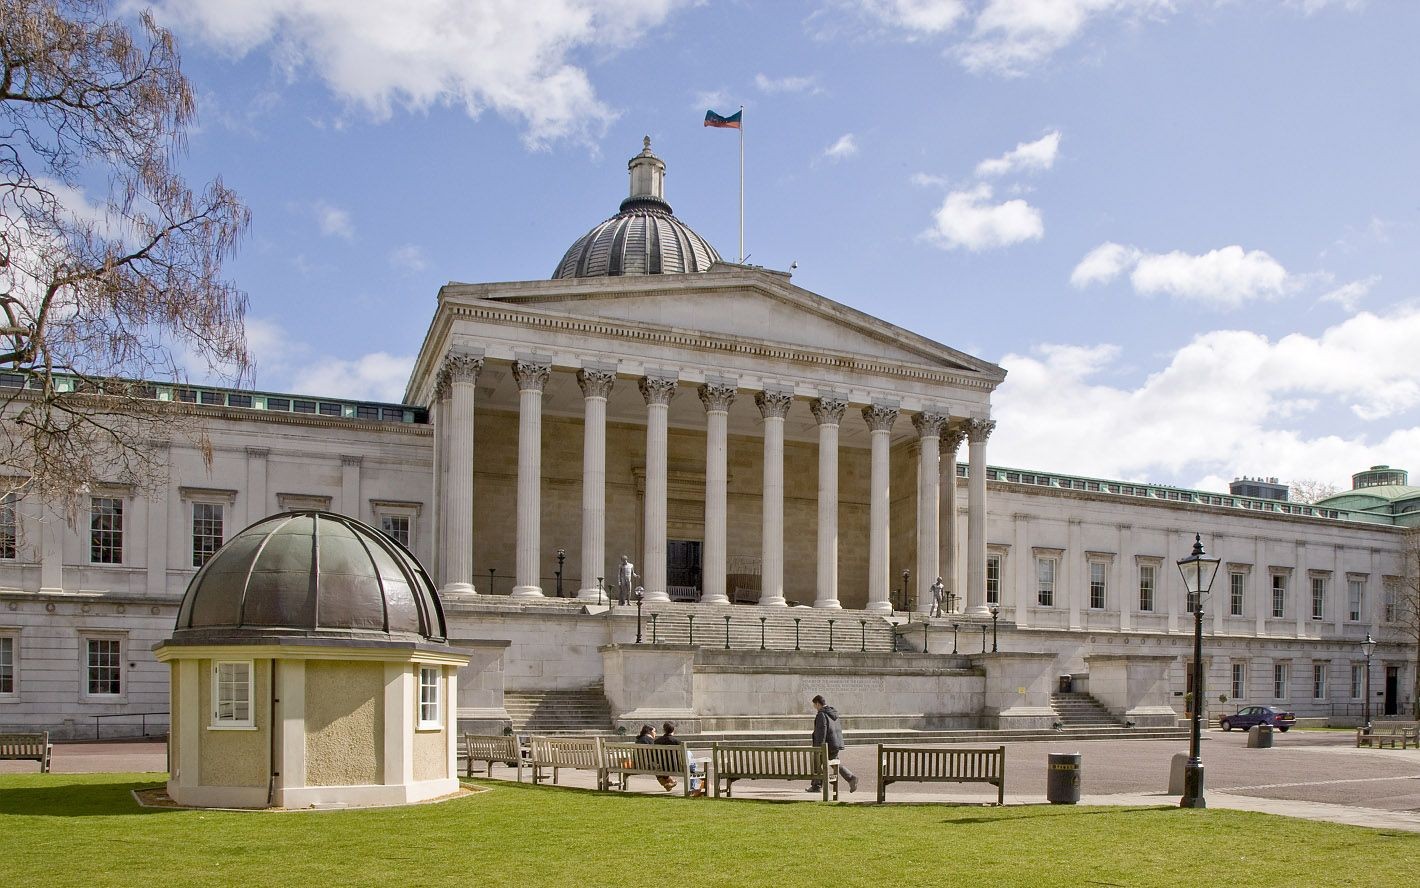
{"x": 1392, "y": 690}
{"x": 683, "y": 568}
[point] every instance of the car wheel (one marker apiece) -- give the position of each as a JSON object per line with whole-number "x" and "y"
{"x": 1225, "y": 725}
{"x": 1284, "y": 730}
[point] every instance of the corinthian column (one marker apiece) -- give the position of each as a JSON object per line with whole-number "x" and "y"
{"x": 773, "y": 406}
{"x": 657, "y": 390}
{"x": 929, "y": 431}
{"x": 951, "y": 439}
{"x": 717, "y": 399}
{"x": 531, "y": 379}
{"x": 880, "y": 420}
{"x": 829, "y": 414}
{"x": 596, "y": 387}
{"x": 461, "y": 372}
{"x": 977, "y": 431}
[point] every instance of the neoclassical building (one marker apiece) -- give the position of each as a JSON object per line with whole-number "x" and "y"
{"x": 747, "y": 445}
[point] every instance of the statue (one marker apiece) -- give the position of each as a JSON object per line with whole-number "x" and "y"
{"x": 625, "y": 579}
{"x": 939, "y": 594}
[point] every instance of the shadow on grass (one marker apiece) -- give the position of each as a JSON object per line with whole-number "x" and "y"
{"x": 1034, "y": 812}
{"x": 75, "y": 800}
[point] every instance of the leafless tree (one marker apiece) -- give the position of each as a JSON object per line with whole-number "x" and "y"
{"x": 98, "y": 296}
{"x": 1402, "y": 607}
{"x": 1309, "y": 490}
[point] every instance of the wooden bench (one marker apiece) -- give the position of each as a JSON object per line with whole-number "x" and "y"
{"x": 731, "y": 762}
{"x": 1383, "y": 734}
{"x": 654, "y": 759}
{"x": 491, "y": 749}
{"x": 918, "y": 765}
{"x": 27, "y": 747}
{"x": 576, "y": 753}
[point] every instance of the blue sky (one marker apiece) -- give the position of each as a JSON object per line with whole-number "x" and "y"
{"x": 1188, "y": 229}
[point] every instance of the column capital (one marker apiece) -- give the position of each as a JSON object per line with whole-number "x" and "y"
{"x": 657, "y": 389}
{"x": 828, "y": 411}
{"x": 717, "y": 396}
{"x": 951, "y": 439}
{"x": 596, "y": 383}
{"x": 773, "y": 404}
{"x": 461, "y": 367}
{"x": 929, "y": 424}
{"x": 978, "y": 430}
{"x": 880, "y": 417}
{"x": 443, "y": 386}
{"x": 531, "y": 376}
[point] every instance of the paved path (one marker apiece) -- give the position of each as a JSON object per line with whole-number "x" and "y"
{"x": 1318, "y": 775}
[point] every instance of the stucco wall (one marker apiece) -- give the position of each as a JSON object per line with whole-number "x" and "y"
{"x": 344, "y": 723}
{"x": 175, "y": 719}
{"x": 431, "y": 752}
{"x": 235, "y": 757}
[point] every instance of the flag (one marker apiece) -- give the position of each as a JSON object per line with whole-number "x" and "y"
{"x": 731, "y": 122}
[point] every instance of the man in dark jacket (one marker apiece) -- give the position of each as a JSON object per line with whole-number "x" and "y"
{"x": 828, "y": 728}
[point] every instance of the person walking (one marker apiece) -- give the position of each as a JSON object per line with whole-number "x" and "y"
{"x": 828, "y": 729}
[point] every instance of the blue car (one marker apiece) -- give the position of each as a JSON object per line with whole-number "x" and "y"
{"x": 1258, "y": 715}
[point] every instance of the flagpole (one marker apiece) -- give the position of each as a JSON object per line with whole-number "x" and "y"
{"x": 742, "y": 185}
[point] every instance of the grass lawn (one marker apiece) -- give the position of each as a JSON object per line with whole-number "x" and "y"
{"x": 85, "y": 830}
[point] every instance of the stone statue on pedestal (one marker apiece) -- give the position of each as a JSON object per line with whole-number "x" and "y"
{"x": 939, "y": 595}
{"x": 625, "y": 580}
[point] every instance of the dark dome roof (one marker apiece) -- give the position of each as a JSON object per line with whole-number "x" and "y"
{"x": 312, "y": 574}
{"x": 644, "y": 237}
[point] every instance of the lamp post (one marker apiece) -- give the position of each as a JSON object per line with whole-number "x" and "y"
{"x": 955, "y": 628}
{"x": 1368, "y": 647}
{"x": 640, "y": 596}
{"x": 995, "y": 613}
{"x": 983, "y": 638}
{"x": 561, "y": 557}
{"x": 906, "y": 601}
{"x": 1198, "y": 571}
{"x": 599, "y": 590}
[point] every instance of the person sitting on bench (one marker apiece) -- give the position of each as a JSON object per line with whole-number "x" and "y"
{"x": 668, "y": 738}
{"x": 646, "y": 737}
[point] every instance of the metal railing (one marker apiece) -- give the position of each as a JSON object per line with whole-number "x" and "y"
{"x": 143, "y": 723}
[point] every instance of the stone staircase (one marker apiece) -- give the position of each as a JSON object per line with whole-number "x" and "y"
{"x": 851, "y": 630}
{"x": 582, "y": 711}
{"x": 1076, "y": 711}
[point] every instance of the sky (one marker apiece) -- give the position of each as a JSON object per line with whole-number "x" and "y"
{"x": 1188, "y": 229}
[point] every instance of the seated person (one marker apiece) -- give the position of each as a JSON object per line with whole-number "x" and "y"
{"x": 647, "y": 736}
{"x": 668, "y": 738}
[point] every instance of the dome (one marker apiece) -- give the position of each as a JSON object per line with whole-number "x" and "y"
{"x": 644, "y": 237}
{"x": 311, "y": 575}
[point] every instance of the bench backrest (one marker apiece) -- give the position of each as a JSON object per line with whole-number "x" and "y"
{"x": 787, "y": 762}
{"x": 495, "y": 747}
{"x": 964, "y": 765}
{"x": 644, "y": 758}
{"x": 25, "y": 745}
{"x": 1394, "y": 727}
{"x": 567, "y": 752}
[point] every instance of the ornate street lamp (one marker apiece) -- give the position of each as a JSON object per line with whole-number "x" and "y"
{"x": 955, "y": 628}
{"x": 640, "y": 596}
{"x": 995, "y": 613}
{"x": 1368, "y": 647}
{"x": 1198, "y": 571}
{"x": 561, "y": 557}
{"x": 906, "y": 600}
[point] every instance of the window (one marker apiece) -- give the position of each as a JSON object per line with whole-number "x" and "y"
{"x": 429, "y": 697}
{"x": 105, "y": 666}
{"x": 1239, "y": 681}
{"x": 1392, "y": 599}
{"x": 1237, "y": 592}
{"x": 206, "y": 531}
{"x": 1318, "y": 681}
{"x": 397, "y": 519}
{"x": 1358, "y": 680}
{"x": 1045, "y": 581}
{"x": 1147, "y": 575}
{"x": 1279, "y": 595}
{"x": 9, "y": 528}
{"x": 1279, "y": 681}
{"x": 232, "y": 694}
{"x": 396, "y": 527}
{"x": 1355, "y": 598}
{"x": 1318, "y": 598}
{"x": 1098, "y": 586}
{"x": 7, "y": 665}
{"x": 106, "y": 530}
{"x": 993, "y": 579}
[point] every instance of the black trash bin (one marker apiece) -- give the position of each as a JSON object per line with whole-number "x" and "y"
{"x": 1062, "y": 778}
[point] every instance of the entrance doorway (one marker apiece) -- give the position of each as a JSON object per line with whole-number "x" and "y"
{"x": 683, "y": 569}
{"x": 1392, "y": 690}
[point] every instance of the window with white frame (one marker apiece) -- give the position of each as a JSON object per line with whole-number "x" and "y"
{"x": 1318, "y": 597}
{"x": 397, "y": 520}
{"x": 1392, "y": 599}
{"x": 429, "y": 688}
{"x": 106, "y": 530}
{"x": 1279, "y": 681}
{"x": 1045, "y": 581}
{"x": 1358, "y": 680}
{"x": 1237, "y": 592}
{"x": 993, "y": 579}
{"x": 396, "y": 527}
{"x": 206, "y": 531}
{"x": 1279, "y": 595}
{"x": 1318, "y": 681}
{"x": 7, "y": 664}
{"x": 1148, "y": 574}
{"x": 232, "y": 691}
{"x": 1099, "y": 570}
{"x": 9, "y": 527}
{"x": 103, "y": 666}
{"x": 1239, "y": 681}
{"x": 1355, "y": 598}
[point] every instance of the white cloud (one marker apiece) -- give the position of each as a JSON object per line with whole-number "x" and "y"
{"x": 709, "y": 100}
{"x": 333, "y": 221}
{"x": 1012, "y": 36}
{"x": 1224, "y": 278}
{"x": 1349, "y": 296}
{"x": 921, "y": 16}
{"x": 787, "y": 84}
{"x": 845, "y": 147}
{"x": 513, "y": 58}
{"x": 968, "y": 219}
{"x": 1230, "y": 402}
{"x": 1025, "y": 157}
{"x": 1103, "y": 264}
{"x": 378, "y": 376}
{"x": 929, "y": 180}
{"x": 409, "y": 257}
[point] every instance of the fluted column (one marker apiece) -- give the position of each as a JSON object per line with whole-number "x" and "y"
{"x": 977, "y": 431}
{"x": 531, "y": 378}
{"x": 462, "y": 372}
{"x": 929, "y": 431}
{"x": 596, "y": 388}
{"x": 829, "y": 414}
{"x": 880, "y": 420}
{"x": 657, "y": 390}
{"x": 717, "y": 399}
{"x": 439, "y": 413}
{"x": 950, "y": 566}
{"x": 773, "y": 406}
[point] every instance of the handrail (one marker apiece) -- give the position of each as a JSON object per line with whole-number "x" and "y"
{"x": 141, "y": 715}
